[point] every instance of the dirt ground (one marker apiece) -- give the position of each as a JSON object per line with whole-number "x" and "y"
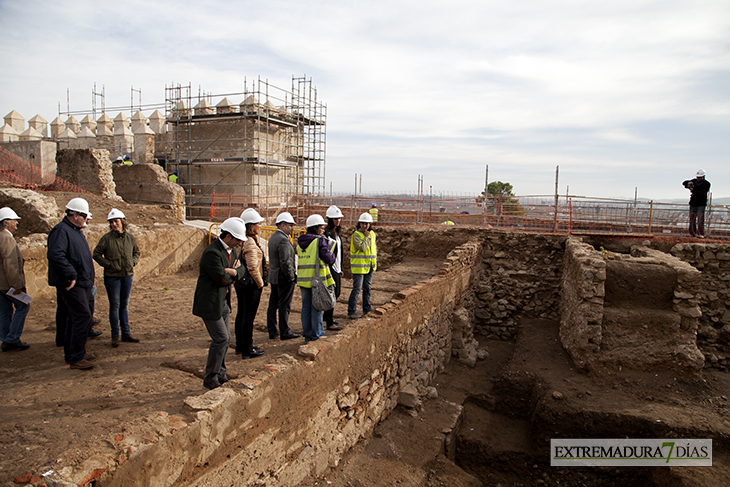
{"x": 524, "y": 393}
{"x": 53, "y": 416}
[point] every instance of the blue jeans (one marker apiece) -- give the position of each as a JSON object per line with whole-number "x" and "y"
{"x": 312, "y": 327}
{"x": 11, "y": 323}
{"x": 118, "y": 289}
{"x": 364, "y": 282}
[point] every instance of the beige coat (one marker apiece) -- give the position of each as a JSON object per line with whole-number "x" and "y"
{"x": 255, "y": 260}
{"x": 11, "y": 263}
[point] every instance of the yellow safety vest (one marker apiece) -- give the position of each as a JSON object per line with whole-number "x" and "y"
{"x": 374, "y": 213}
{"x": 362, "y": 262}
{"x": 307, "y": 264}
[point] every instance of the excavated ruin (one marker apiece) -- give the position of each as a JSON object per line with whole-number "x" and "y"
{"x": 483, "y": 347}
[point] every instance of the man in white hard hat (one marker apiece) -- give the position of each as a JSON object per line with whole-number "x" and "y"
{"x": 363, "y": 263}
{"x": 12, "y": 310}
{"x": 220, "y": 266}
{"x": 282, "y": 277}
{"x": 699, "y": 187}
{"x": 71, "y": 271}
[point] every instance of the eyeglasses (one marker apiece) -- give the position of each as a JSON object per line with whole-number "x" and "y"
{"x": 83, "y": 215}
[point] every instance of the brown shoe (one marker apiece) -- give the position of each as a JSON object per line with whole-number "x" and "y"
{"x": 90, "y": 357}
{"x": 130, "y": 338}
{"x": 82, "y": 364}
{"x": 115, "y": 342}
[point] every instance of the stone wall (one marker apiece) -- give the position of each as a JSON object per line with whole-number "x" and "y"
{"x": 139, "y": 183}
{"x": 713, "y": 298}
{"x": 164, "y": 249}
{"x": 521, "y": 279}
{"x": 261, "y": 435}
{"x": 40, "y": 153}
{"x": 89, "y": 169}
{"x": 637, "y": 310}
{"x": 38, "y": 213}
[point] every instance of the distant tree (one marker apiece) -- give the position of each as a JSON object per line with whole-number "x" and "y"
{"x": 500, "y": 194}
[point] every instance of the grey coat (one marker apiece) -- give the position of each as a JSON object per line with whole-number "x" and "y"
{"x": 281, "y": 258}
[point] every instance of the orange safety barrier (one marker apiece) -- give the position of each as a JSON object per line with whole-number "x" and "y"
{"x": 19, "y": 173}
{"x": 549, "y": 214}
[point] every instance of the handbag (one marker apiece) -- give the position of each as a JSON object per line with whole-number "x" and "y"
{"x": 247, "y": 280}
{"x": 323, "y": 296}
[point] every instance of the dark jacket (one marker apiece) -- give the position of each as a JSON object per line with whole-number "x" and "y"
{"x": 281, "y": 259}
{"x": 213, "y": 289}
{"x": 699, "y": 189}
{"x": 323, "y": 251}
{"x": 117, "y": 253}
{"x": 69, "y": 257}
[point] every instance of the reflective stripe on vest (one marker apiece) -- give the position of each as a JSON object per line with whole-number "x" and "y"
{"x": 362, "y": 262}
{"x": 306, "y": 266}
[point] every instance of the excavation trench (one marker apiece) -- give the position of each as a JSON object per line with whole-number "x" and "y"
{"x": 423, "y": 381}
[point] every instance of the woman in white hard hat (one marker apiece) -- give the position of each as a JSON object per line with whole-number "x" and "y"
{"x": 249, "y": 291}
{"x": 12, "y": 310}
{"x": 363, "y": 263}
{"x": 310, "y": 246}
{"x": 117, "y": 253}
{"x": 332, "y": 232}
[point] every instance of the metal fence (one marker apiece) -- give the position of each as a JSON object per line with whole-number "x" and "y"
{"x": 551, "y": 214}
{"x": 19, "y": 173}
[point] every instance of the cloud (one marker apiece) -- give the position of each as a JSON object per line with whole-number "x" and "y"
{"x": 418, "y": 87}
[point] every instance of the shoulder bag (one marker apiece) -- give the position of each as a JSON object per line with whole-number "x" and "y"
{"x": 323, "y": 297}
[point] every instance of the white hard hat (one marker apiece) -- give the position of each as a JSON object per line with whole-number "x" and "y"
{"x": 334, "y": 212}
{"x": 79, "y": 205}
{"x": 701, "y": 173}
{"x": 235, "y": 227}
{"x": 250, "y": 215}
{"x": 8, "y": 214}
{"x": 114, "y": 214}
{"x": 315, "y": 220}
{"x": 365, "y": 218}
{"x": 285, "y": 217}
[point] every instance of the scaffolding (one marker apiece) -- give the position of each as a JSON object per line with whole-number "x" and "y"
{"x": 269, "y": 148}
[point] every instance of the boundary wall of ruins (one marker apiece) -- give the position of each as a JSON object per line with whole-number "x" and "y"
{"x": 248, "y": 431}
{"x": 713, "y": 298}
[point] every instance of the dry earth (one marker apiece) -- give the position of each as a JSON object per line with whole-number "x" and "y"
{"x": 53, "y": 417}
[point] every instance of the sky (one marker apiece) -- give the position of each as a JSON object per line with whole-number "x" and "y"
{"x": 626, "y": 97}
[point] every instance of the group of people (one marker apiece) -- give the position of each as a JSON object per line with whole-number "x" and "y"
{"x": 71, "y": 272}
{"x": 236, "y": 259}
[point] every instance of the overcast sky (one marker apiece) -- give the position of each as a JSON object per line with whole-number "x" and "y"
{"x": 620, "y": 94}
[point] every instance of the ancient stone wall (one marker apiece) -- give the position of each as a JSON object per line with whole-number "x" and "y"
{"x": 521, "y": 278}
{"x": 40, "y": 153}
{"x": 164, "y": 249}
{"x": 38, "y": 213}
{"x": 257, "y": 432}
{"x": 89, "y": 169}
{"x": 139, "y": 183}
{"x": 713, "y": 298}
{"x": 637, "y": 310}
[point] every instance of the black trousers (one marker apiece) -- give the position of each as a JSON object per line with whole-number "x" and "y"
{"x": 280, "y": 303}
{"x": 73, "y": 317}
{"x": 329, "y": 314}
{"x": 248, "y": 305}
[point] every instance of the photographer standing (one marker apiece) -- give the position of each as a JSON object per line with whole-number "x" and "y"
{"x": 699, "y": 186}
